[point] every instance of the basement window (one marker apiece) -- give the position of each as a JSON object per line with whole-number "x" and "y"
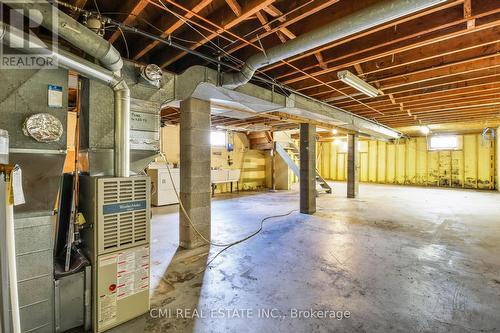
{"x": 218, "y": 138}
{"x": 342, "y": 146}
{"x": 444, "y": 142}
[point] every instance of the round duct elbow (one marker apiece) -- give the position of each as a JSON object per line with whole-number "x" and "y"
{"x": 112, "y": 60}
{"x": 234, "y": 80}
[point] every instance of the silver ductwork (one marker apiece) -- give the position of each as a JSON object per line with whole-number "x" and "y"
{"x": 14, "y": 36}
{"x": 75, "y": 33}
{"x": 367, "y": 18}
{"x": 121, "y": 94}
{"x": 251, "y": 100}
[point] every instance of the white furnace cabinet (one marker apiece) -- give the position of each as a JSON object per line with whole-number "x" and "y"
{"x": 161, "y": 186}
{"x": 116, "y": 239}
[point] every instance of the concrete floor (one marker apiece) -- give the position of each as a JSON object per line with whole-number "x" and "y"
{"x": 399, "y": 259}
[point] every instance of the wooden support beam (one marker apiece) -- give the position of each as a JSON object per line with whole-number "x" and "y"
{"x": 176, "y": 24}
{"x": 275, "y": 12}
{"x": 136, "y": 10}
{"x": 358, "y": 69}
{"x": 428, "y": 29}
{"x": 235, "y": 7}
{"x": 288, "y": 33}
{"x": 391, "y": 96}
{"x": 434, "y": 20}
{"x": 458, "y": 91}
{"x": 281, "y": 36}
{"x": 377, "y": 61}
{"x": 250, "y": 8}
{"x": 471, "y": 22}
{"x": 430, "y": 57}
{"x": 478, "y": 97}
{"x": 263, "y": 20}
{"x": 283, "y": 33}
{"x": 310, "y": 9}
{"x": 321, "y": 61}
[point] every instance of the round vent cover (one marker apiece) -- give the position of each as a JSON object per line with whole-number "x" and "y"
{"x": 43, "y": 127}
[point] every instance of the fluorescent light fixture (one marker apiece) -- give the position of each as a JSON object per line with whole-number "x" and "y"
{"x": 358, "y": 84}
{"x": 425, "y": 130}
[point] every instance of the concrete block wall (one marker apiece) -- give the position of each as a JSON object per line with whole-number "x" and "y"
{"x": 254, "y": 165}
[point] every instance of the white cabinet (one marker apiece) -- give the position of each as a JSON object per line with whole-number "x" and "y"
{"x": 161, "y": 186}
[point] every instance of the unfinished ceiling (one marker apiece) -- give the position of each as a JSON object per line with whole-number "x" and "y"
{"x": 439, "y": 66}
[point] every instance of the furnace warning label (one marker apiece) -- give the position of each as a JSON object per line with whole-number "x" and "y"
{"x": 132, "y": 272}
{"x": 107, "y": 260}
{"x": 107, "y": 309}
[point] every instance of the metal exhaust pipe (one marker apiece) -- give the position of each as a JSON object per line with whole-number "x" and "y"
{"x": 75, "y": 33}
{"x": 122, "y": 129}
{"x": 372, "y": 16}
{"x": 14, "y": 36}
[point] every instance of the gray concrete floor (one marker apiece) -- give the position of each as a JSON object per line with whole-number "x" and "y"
{"x": 399, "y": 259}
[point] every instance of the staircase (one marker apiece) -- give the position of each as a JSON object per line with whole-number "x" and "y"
{"x": 291, "y": 151}
{"x": 261, "y": 140}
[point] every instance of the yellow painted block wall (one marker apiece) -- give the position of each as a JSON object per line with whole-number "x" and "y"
{"x": 410, "y": 162}
{"x": 252, "y": 163}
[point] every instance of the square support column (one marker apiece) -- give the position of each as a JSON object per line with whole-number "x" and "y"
{"x": 307, "y": 168}
{"x": 195, "y": 180}
{"x": 352, "y": 166}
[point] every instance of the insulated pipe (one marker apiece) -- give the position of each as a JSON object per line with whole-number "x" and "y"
{"x": 13, "y": 36}
{"x": 367, "y": 18}
{"x": 72, "y": 31}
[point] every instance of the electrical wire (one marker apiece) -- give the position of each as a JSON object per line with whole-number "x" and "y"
{"x": 188, "y": 218}
{"x": 251, "y": 235}
{"x": 185, "y": 21}
{"x": 283, "y": 89}
{"x": 97, "y": 7}
{"x": 272, "y": 21}
{"x": 229, "y": 56}
{"x": 264, "y": 78}
{"x": 125, "y": 41}
{"x": 136, "y": 17}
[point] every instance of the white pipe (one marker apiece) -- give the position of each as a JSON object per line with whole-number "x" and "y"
{"x": 11, "y": 255}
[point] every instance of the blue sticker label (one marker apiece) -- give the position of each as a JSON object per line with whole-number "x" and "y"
{"x": 55, "y": 96}
{"x": 124, "y": 207}
{"x": 55, "y": 88}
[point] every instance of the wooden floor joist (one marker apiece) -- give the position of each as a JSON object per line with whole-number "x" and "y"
{"x": 426, "y": 64}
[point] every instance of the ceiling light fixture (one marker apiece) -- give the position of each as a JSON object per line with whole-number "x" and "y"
{"x": 334, "y": 131}
{"x": 358, "y": 84}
